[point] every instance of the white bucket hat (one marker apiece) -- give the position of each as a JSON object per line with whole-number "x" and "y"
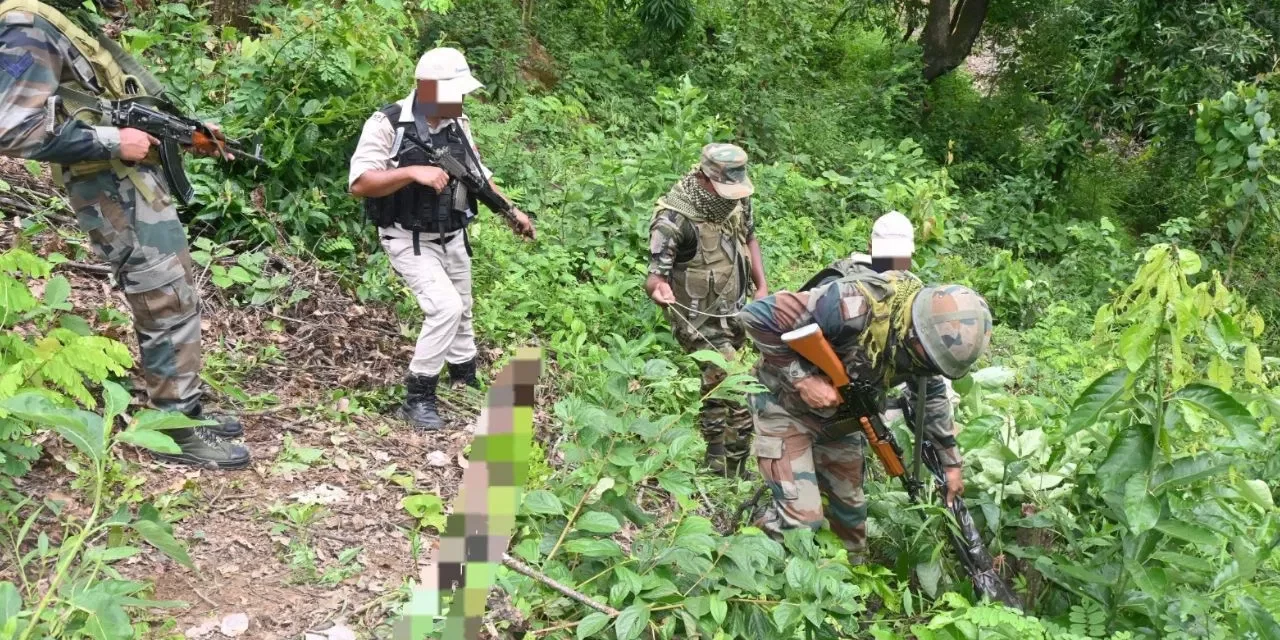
{"x": 449, "y": 68}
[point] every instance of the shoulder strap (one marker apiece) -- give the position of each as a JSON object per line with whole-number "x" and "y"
{"x": 392, "y": 112}
{"x": 116, "y": 72}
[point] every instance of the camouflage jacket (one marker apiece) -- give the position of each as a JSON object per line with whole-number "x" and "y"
{"x": 34, "y": 59}
{"x": 840, "y": 308}
{"x": 673, "y": 240}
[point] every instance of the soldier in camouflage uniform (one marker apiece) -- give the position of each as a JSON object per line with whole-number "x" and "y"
{"x": 702, "y": 244}
{"x": 887, "y": 329}
{"x": 125, "y": 209}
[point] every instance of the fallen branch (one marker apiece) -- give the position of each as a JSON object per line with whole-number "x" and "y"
{"x": 86, "y": 267}
{"x": 529, "y": 572}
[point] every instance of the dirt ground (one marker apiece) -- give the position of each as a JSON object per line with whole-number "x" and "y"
{"x": 311, "y": 541}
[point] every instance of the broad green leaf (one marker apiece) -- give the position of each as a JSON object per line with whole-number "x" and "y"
{"x": 1194, "y": 534}
{"x": 593, "y": 548}
{"x": 1189, "y": 262}
{"x": 597, "y": 522}
{"x": 1136, "y": 344}
{"x": 698, "y": 606}
{"x": 632, "y": 621}
{"x": 1184, "y": 471}
{"x": 543, "y": 502}
{"x": 930, "y": 574}
{"x": 151, "y": 440}
{"x": 1184, "y": 561}
{"x": 1258, "y": 618}
{"x": 111, "y": 554}
{"x": 1257, "y": 492}
{"x": 163, "y": 540}
{"x": 10, "y": 601}
{"x": 786, "y": 615}
{"x": 719, "y": 609}
{"x": 1130, "y": 453}
{"x": 82, "y": 428}
{"x": 117, "y": 399}
{"x": 56, "y": 290}
{"x": 1150, "y": 579}
{"x": 1141, "y": 509}
{"x": 1095, "y": 400}
{"x": 802, "y": 574}
{"x": 592, "y": 624}
{"x": 1224, "y": 408}
{"x": 1253, "y": 365}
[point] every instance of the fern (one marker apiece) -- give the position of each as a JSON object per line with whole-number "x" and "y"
{"x": 63, "y": 359}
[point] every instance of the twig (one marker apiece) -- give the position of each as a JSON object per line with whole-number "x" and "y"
{"x": 84, "y": 266}
{"x": 530, "y": 572}
{"x": 202, "y": 596}
{"x": 271, "y": 410}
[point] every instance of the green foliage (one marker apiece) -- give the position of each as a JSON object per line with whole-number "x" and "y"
{"x": 44, "y": 349}
{"x": 70, "y": 590}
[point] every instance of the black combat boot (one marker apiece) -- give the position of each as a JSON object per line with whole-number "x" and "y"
{"x": 419, "y": 408}
{"x": 463, "y": 374}
{"x": 201, "y": 447}
{"x": 227, "y": 427}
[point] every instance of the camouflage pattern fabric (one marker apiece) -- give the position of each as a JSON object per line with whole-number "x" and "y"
{"x": 671, "y": 236}
{"x": 140, "y": 236}
{"x": 724, "y": 423}
{"x": 799, "y": 465}
{"x": 800, "y": 469}
{"x": 34, "y": 59}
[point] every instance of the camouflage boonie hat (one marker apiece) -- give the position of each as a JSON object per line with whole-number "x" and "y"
{"x": 726, "y": 166}
{"x": 953, "y": 324}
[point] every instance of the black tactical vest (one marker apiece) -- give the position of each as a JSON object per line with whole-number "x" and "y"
{"x": 419, "y": 208}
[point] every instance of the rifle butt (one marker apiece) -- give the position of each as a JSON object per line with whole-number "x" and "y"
{"x": 809, "y": 342}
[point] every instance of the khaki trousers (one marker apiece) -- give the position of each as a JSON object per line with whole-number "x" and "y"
{"x": 440, "y": 279}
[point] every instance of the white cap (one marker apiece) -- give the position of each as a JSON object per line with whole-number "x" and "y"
{"x": 450, "y": 69}
{"x": 892, "y": 236}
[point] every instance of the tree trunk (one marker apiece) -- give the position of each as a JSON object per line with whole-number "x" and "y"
{"x": 949, "y": 34}
{"x": 232, "y": 12}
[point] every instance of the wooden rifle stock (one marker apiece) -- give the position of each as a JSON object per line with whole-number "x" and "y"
{"x": 808, "y": 341}
{"x": 884, "y": 450}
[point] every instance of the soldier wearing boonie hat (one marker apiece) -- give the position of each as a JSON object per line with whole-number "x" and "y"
{"x": 422, "y": 217}
{"x": 702, "y": 249}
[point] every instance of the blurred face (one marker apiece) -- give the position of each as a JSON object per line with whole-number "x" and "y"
{"x": 432, "y": 104}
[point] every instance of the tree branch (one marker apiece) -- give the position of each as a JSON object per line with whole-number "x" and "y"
{"x": 529, "y": 572}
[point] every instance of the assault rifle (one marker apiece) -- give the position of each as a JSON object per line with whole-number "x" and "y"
{"x": 458, "y": 171}
{"x": 175, "y": 131}
{"x": 860, "y": 410}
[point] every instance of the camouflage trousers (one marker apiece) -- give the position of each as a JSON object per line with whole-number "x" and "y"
{"x": 726, "y": 425}
{"x": 800, "y": 470}
{"x": 140, "y": 235}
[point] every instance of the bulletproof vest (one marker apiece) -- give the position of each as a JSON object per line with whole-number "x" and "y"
{"x": 417, "y": 207}
{"x": 714, "y": 279}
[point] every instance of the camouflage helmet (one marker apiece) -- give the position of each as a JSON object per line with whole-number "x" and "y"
{"x": 953, "y": 324}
